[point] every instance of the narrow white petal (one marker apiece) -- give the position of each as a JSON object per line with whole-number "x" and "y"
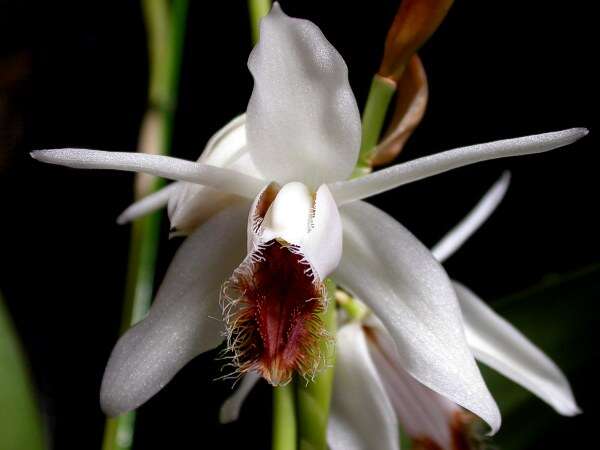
{"x": 362, "y": 417}
{"x": 303, "y": 121}
{"x": 394, "y": 176}
{"x": 397, "y": 277}
{"x": 163, "y": 166}
{"x": 184, "y": 320}
{"x": 501, "y": 346}
{"x": 458, "y": 235}
{"x": 230, "y": 410}
{"x": 148, "y": 204}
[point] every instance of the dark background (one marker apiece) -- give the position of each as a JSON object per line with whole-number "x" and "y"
{"x": 496, "y": 70}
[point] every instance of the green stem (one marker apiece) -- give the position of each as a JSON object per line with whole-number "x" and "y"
{"x": 173, "y": 63}
{"x": 166, "y": 31}
{"x": 157, "y": 21}
{"x": 284, "y": 418}
{"x": 258, "y": 9}
{"x": 355, "y": 309}
{"x": 380, "y": 95}
{"x": 314, "y": 398}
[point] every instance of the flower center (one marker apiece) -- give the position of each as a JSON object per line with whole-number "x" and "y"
{"x": 271, "y": 305}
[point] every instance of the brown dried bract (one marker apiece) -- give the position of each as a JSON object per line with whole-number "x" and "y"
{"x": 415, "y": 22}
{"x": 411, "y": 102}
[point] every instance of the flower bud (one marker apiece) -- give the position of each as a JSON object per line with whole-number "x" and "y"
{"x": 415, "y": 22}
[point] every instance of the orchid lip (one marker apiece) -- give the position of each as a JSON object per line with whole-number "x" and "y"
{"x": 271, "y": 302}
{"x": 271, "y": 305}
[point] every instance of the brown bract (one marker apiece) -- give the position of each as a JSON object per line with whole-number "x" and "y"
{"x": 415, "y": 22}
{"x": 411, "y": 102}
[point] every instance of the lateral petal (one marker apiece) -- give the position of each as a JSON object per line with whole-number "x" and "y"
{"x": 194, "y": 203}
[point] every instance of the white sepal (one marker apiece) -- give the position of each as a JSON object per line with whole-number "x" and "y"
{"x": 397, "y": 277}
{"x": 458, "y": 235}
{"x": 303, "y": 121}
{"x": 498, "y": 344}
{"x": 230, "y": 409}
{"x": 219, "y": 178}
{"x": 400, "y": 174}
{"x": 183, "y": 321}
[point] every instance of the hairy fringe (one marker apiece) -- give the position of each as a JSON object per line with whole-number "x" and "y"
{"x": 241, "y": 329}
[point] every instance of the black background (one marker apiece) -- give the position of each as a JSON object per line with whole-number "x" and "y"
{"x": 496, "y": 70}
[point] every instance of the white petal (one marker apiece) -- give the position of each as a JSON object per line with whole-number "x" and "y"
{"x": 303, "y": 122}
{"x": 148, "y": 204}
{"x": 230, "y": 410}
{"x": 218, "y": 178}
{"x": 394, "y": 176}
{"x": 194, "y": 203}
{"x": 501, "y": 346}
{"x": 422, "y": 412}
{"x": 398, "y": 278}
{"x": 184, "y": 320}
{"x": 362, "y": 417}
{"x": 191, "y": 204}
{"x": 227, "y": 146}
{"x": 458, "y": 235}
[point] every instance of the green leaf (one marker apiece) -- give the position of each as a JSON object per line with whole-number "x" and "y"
{"x": 20, "y": 421}
{"x": 557, "y": 315}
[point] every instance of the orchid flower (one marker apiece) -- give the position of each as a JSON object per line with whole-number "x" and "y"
{"x": 367, "y": 356}
{"x": 373, "y": 393}
{"x": 261, "y": 266}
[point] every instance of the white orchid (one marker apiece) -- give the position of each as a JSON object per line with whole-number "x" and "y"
{"x": 302, "y": 134}
{"x": 373, "y": 393}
